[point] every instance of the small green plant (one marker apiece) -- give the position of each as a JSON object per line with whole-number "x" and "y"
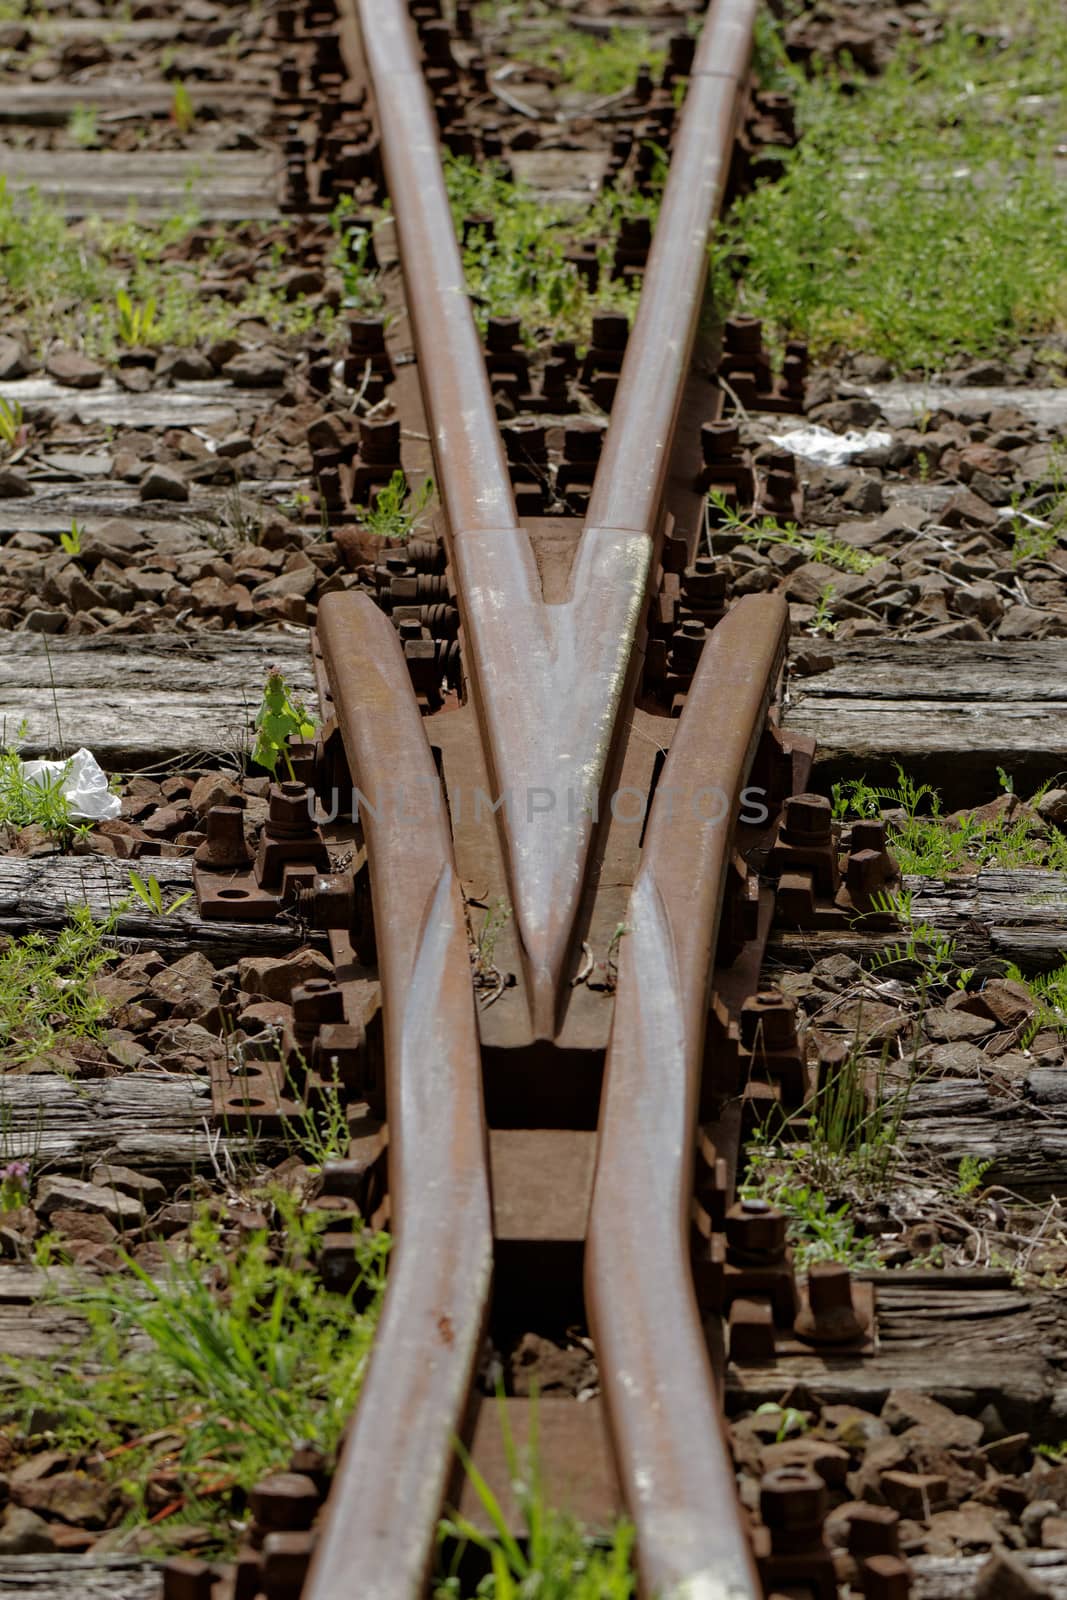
{"x": 923, "y": 947}
{"x": 150, "y": 894}
{"x": 818, "y": 1229}
{"x": 136, "y": 323}
{"x": 215, "y": 1369}
{"x": 280, "y": 718}
{"x": 496, "y": 919}
{"x": 36, "y": 802}
{"x": 10, "y": 422}
{"x": 596, "y": 64}
{"x": 971, "y": 1172}
{"x": 182, "y": 110}
{"x": 72, "y": 541}
{"x": 14, "y": 1185}
{"x": 761, "y": 530}
{"x": 396, "y": 512}
{"x": 1048, "y": 991}
{"x": 822, "y": 621}
{"x": 791, "y": 1423}
{"x": 83, "y": 127}
{"x": 48, "y": 995}
{"x": 1052, "y": 1452}
{"x": 929, "y": 844}
{"x": 558, "y": 1560}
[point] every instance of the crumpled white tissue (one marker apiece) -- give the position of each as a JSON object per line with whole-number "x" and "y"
{"x": 828, "y": 449}
{"x": 85, "y": 785}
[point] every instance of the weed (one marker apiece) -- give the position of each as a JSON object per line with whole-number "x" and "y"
{"x": 72, "y": 541}
{"x": 822, "y": 621}
{"x": 14, "y": 1185}
{"x": 971, "y": 1172}
{"x": 497, "y": 916}
{"x": 151, "y": 895}
{"x": 209, "y": 1390}
{"x": 763, "y": 530}
{"x": 1048, "y": 990}
{"x": 1034, "y": 538}
{"x": 136, "y": 323}
{"x": 929, "y": 844}
{"x": 351, "y": 258}
{"x": 397, "y": 512}
{"x": 558, "y": 1560}
{"x": 83, "y": 128}
{"x": 40, "y": 801}
{"x": 818, "y": 1230}
{"x": 10, "y": 422}
{"x": 920, "y": 214}
{"x": 280, "y": 718}
{"x": 594, "y": 64}
{"x": 924, "y": 948}
{"x": 792, "y": 1422}
{"x": 1052, "y": 1452}
{"x": 48, "y": 997}
{"x": 182, "y": 110}
{"x": 518, "y": 264}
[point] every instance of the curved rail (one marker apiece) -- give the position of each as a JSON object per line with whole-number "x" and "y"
{"x": 440, "y": 1267}
{"x": 665, "y": 1419}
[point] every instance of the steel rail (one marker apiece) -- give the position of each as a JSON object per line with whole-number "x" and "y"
{"x": 664, "y": 1416}
{"x": 550, "y": 681}
{"x": 440, "y": 1264}
{"x": 629, "y": 484}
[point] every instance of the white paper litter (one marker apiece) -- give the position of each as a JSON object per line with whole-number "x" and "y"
{"x": 828, "y": 449}
{"x": 85, "y": 785}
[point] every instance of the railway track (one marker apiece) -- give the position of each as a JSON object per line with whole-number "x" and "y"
{"x": 554, "y": 829}
{"x": 542, "y": 1137}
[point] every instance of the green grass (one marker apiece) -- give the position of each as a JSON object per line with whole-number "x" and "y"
{"x": 98, "y": 284}
{"x": 920, "y": 215}
{"x": 760, "y": 531}
{"x": 522, "y": 270}
{"x": 1049, "y": 993}
{"x": 929, "y": 844}
{"x": 557, "y": 1560}
{"x": 48, "y": 999}
{"x": 593, "y": 64}
{"x": 39, "y": 802}
{"x": 210, "y": 1375}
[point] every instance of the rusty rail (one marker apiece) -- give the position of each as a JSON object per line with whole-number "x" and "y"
{"x": 441, "y": 1260}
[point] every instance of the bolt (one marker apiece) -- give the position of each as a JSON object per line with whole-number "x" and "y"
{"x": 502, "y": 334}
{"x": 873, "y": 1531}
{"x": 885, "y": 1578}
{"x": 185, "y": 1578}
{"x": 379, "y": 440}
{"x": 830, "y": 1315}
{"x": 317, "y": 1001}
{"x": 755, "y": 1228}
{"x": 719, "y": 441}
{"x": 285, "y": 1501}
{"x": 768, "y": 1022}
{"x": 366, "y": 336}
{"x": 611, "y": 329}
{"x": 806, "y": 819}
{"x": 868, "y": 834}
{"x": 743, "y": 336}
{"x": 290, "y": 810}
{"x": 225, "y": 844}
{"x": 792, "y": 1504}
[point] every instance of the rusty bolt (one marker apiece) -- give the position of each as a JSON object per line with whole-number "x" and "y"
{"x": 315, "y": 1002}
{"x": 755, "y": 1228}
{"x": 830, "y": 1316}
{"x": 185, "y": 1578}
{"x": 289, "y": 813}
{"x": 284, "y": 1502}
{"x": 865, "y": 872}
{"x": 869, "y": 834}
{"x": 743, "y": 336}
{"x": 503, "y": 333}
{"x": 409, "y": 629}
{"x": 778, "y": 490}
{"x": 719, "y": 441}
{"x": 873, "y": 1531}
{"x": 687, "y": 643}
{"x": 329, "y": 902}
{"x": 286, "y": 1558}
{"x": 768, "y": 1021}
{"x": 703, "y": 581}
{"x": 611, "y": 329}
{"x": 379, "y": 440}
{"x": 885, "y": 1578}
{"x": 806, "y": 819}
{"x": 225, "y": 845}
{"x": 366, "y": 336}
{"x": 792, "y": 1503}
